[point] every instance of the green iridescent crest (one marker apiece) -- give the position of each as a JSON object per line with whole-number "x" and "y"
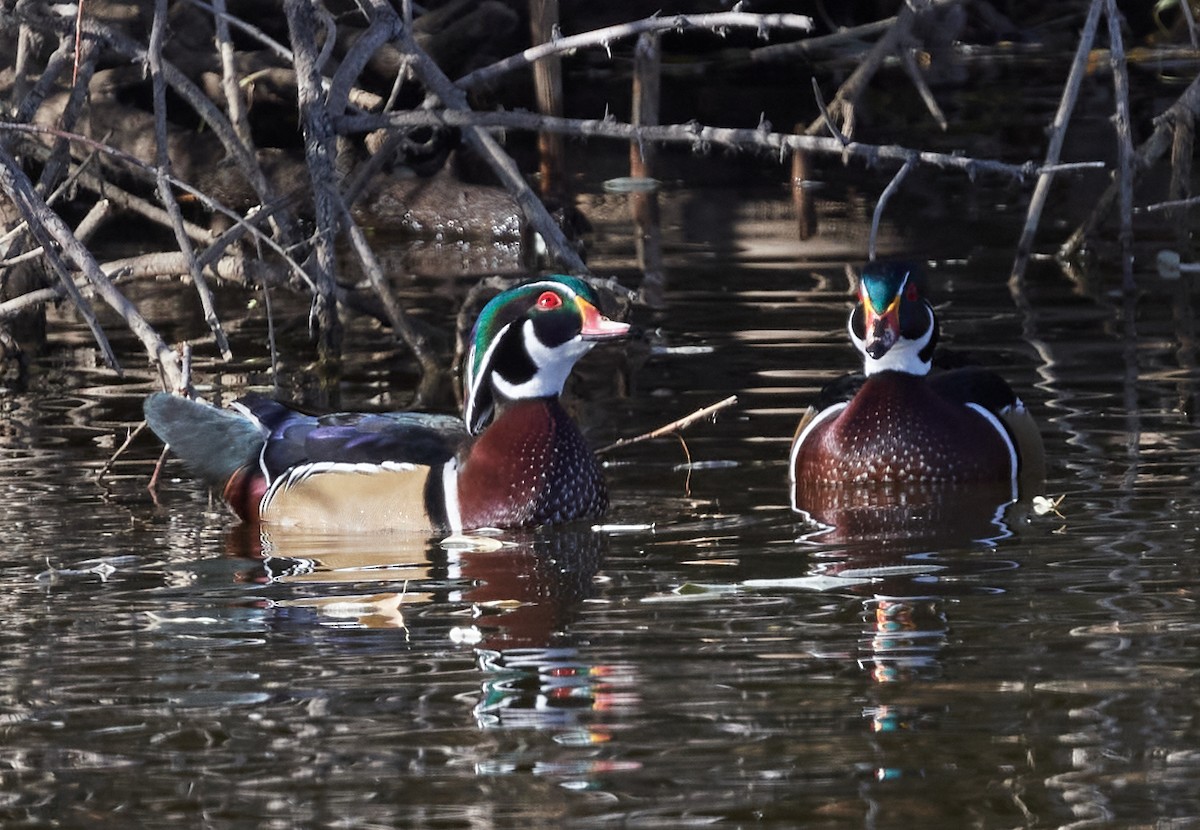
{"x": 497, "y": 317}
{"x": 882, "y": 281}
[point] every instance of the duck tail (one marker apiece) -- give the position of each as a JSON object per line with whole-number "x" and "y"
{"x": 214, "y": 443}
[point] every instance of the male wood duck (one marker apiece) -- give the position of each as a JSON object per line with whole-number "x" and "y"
{"x": 896, "y": 422}
{"x": 515, "y": 459}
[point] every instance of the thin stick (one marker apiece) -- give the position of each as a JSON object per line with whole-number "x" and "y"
{"x": 108, "y": 465}
{"x": 1124, "y": 142}
{"x": 234, "y": 101}
{"x": 687, "y": 453}
{"x": 603, "y": 38}
{"x": 1191, "y": 23}
{"x": 1168, "y": 205}
{"x": 319, "y": 153}
{"x": 1058, "y": 131}
{"x": 830, "y": 124}
{"x": 163, "y": 169}
{"x": 914, "y": 73}
{"x": 674, "y": 426}
{"x": 887, "y": 193}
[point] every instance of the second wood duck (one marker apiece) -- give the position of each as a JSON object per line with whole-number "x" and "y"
{"x": 897, "y": 422}
{"x": 514, "y": 459}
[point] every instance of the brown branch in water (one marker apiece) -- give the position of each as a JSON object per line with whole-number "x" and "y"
{"x": 319, "y": 153}
{"x": 647, "y": 220}
{"x": 1058, "y": 132}
{"x": 674, "y": 426}
{"x": 548, "y": 91}
{"x": 687, "y": 454}
{"x": 603, "y": 38}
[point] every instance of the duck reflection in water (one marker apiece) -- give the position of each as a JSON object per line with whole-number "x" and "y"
{"x": 522, "y": 590}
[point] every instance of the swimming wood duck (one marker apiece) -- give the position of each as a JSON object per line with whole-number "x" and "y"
{"x": 896, "y": 422}
{"x": 514, "y": 459}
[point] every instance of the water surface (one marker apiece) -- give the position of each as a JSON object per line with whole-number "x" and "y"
{"x": 704, "y": 658}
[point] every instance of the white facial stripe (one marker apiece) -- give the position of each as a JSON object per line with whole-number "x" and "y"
{"x": 478, "y": 378}
{"x": 553, "y": 366}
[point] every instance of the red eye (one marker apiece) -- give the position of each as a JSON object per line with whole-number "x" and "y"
{"x": 910, "y": 293}
{"x": 548, "y": 300}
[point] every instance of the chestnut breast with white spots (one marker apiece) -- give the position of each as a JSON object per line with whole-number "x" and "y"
{"x": 531, "y": 466}
{"x": 898, "y": 429}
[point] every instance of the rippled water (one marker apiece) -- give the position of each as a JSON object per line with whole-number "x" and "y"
{"x": 703, "y": 659}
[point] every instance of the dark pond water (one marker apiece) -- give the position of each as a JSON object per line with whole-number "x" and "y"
{"x": 704, "y": 658}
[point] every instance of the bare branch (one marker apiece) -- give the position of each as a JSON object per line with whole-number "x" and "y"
{"x": 162, "y": 172}
{"x": 1121, "y": 120}
{"x": 602, "y": 38}
{"x": 319, "y": 152}
{"x": 674, "y": 426}
{"x": 694, "y": 134}
{"x": 505, "y": 168}
{"x": 888, "y": 192}
{"x": 1058, "y": 131}
{"x": 51, "y": 228}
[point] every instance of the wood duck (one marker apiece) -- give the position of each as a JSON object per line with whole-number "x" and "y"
{"x": 896, "y": 423}
{"x": 514, "y": 459}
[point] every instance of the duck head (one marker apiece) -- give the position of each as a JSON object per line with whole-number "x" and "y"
{"x": 893, "y": 325}
{"x": 527, "y": 339}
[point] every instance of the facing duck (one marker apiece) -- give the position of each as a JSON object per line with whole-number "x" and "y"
{"x": 515, "y": 459}
{"x": 896, "y": 422}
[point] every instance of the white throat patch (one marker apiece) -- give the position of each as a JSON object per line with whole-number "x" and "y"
{"x": 905, "y": 356}
{"x": 553, "y": 366}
